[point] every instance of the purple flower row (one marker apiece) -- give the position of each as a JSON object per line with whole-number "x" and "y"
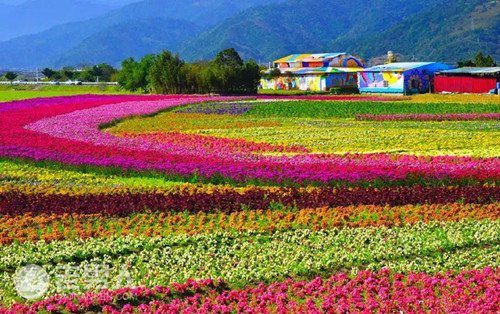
{"x": 231, "y": 108}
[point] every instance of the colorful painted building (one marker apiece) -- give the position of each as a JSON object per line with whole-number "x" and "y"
{"x": 468, "y": 80}
{"x": 313, "y": 72}
{"x": 400, "y": 78}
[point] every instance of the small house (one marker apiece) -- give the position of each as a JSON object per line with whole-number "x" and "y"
{"x": 313, "y": 72}
{"x": 468, "y": 80}
{"x": 400, "y": 77}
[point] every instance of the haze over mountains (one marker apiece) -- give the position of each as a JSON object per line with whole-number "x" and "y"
{"x": 22, "y": 17}
{"x": 37, "y": 15}
{"x": 259, "y": 29}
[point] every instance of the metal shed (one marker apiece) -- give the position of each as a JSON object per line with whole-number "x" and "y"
{"x": 468, "y": 80}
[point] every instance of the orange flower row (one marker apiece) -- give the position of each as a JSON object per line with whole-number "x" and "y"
{"x": 47, "y": 227}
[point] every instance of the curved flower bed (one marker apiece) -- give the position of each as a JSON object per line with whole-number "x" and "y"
{"x": 284, "y": 228}
{"x": 71, "y": 134}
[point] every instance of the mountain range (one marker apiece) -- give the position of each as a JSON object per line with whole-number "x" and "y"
{"x": 23, "y": 18}
{"x": 444, "y": 30}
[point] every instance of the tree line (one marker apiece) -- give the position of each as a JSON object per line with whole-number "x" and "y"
{"x": 101, "y": 72}
{"x": 479, "y": 60}
{"x": 167, "y": 73}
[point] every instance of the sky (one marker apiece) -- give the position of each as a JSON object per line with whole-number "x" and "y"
{"x": 109, "y": 2}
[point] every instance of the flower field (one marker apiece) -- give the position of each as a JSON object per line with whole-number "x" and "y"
{"x": 167, "y": 204}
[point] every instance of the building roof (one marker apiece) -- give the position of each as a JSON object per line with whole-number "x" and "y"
{"x": 397, "y": 67}
{"x": 322, "y": 70}
{"x": 310, "y": 57}
{"x": 467, "y": 70}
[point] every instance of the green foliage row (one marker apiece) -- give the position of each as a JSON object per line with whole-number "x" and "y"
{"x": 17, "y": 92}
{"x": 167, "y": 73}
{"x": 249, "y": 257}
{"x": 364, "y": 244}
{"x": 348, "y": 109}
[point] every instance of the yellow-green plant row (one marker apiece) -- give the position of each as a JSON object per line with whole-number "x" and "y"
{"x": 334, "y": 135}
{"x": 250, "y": 257}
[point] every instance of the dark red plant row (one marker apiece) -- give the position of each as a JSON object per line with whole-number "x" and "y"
{"x": 227, "y": 200}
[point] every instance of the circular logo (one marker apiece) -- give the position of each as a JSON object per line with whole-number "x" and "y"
{"x": 31, "y": 282}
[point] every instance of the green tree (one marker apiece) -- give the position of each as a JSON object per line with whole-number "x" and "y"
{"x": 102, "y": 72}
{"x": 251, "y": 76}
{"x": 10, "y": 76}
{"x": 272, "y": 74}
{"x": 86, "y": 75}
{"x": 196, "y": 81}
{"x": 167, "y": 74}
{"x": 68, "y": 73}
{"x": 106, "y": 71}
{"x": 57, "y": 76}
{"x": 133, "y": 75}
{"x": 484, "y": 61}
{"x": 48, "y": 73}
{"x": 228, "y": 58}
{"x": 96, "y": 72}
{"x": 466, "y": 63}
{"x": 480, "y": 60}
{"x": 228, "y": 74}
{"x": 224, "y": 72}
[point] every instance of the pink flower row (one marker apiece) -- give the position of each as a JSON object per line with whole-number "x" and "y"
{"x": 473, "y": 291}
{"x": 429, "y": 117}
{"x": 63, "y": 100}
{"x": 69, "y": 133}
{"x": 194, "y": 144}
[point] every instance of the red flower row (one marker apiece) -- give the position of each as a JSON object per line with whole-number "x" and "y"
{"x": 474, "y": 291}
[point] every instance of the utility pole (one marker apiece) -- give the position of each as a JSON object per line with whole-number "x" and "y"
{"x": 37, "y": 75}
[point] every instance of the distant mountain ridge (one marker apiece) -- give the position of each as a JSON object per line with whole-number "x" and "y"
{"x": 54, "y": 46}
{"x": 266, "y": 29}
{"x": 419, "y": 29}
{"x": 116, "y": 43}
{"x": 34, "y": 16}
{"x": 450, "y": 32}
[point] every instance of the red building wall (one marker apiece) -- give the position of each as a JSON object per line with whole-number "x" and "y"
{"x": 464, "y": 84}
